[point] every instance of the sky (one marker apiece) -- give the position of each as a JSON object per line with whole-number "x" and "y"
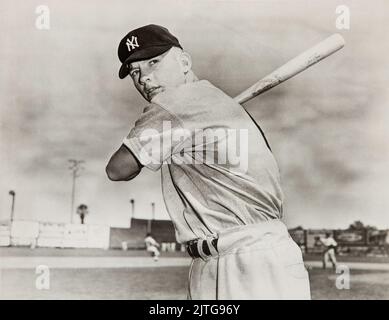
{"x": 61, "y": 98}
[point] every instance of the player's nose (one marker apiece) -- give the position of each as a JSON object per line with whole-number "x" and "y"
{"x": 145, "y": 77}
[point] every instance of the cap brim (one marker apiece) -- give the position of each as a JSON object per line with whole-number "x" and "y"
{"x": 144, "y": 54}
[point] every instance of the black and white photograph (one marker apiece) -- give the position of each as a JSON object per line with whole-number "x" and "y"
{"x": 194, "y": 150}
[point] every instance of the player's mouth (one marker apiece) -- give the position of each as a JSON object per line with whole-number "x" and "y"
{"x": 151, "y": 92}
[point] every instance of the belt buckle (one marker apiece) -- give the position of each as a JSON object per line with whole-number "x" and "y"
{"x": 192, "y": 247}
{"x": 189, "y": 245}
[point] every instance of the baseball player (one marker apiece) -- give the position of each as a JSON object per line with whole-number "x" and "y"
{"x": 152, "y": 246}
{"x": 220, "y": 181}
{"x": 329, "y": 251}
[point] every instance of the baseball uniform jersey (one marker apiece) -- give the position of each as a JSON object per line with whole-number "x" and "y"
{"x": 329, "y": 242}
{"x": 203, "y": 199}
{"x": 220, "y": 179}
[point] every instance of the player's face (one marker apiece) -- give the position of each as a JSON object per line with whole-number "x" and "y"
{"x": 157, "y": 74}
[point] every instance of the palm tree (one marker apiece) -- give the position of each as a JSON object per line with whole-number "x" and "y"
{"x": 82, "y": 211}
{"x": 356, "y": 225}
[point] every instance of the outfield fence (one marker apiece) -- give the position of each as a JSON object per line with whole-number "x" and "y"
{"x": 62, "y": 235}
{"x": 53, "y": 235}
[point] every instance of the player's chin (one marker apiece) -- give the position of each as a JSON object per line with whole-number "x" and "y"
{"x": 145, "y": 96}
{"x": 153, "y": 94}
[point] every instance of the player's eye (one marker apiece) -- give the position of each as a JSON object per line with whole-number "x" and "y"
{"x": 153, "y": 62}
{"x": 134, "y": 73}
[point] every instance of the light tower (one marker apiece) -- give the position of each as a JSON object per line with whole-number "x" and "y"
{"x": 75, "y": 167}
{"x": 12, "y": 194}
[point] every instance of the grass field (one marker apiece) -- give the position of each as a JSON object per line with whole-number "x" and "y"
{"x": 95, "y": 282}
{"x": 27, "y": 252}
{"x": 365, "y": 285}
{"x": 53, "y": 252}
{"x": 164, "y": 283}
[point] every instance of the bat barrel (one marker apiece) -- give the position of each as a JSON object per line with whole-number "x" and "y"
{"x": 293, "y": 67}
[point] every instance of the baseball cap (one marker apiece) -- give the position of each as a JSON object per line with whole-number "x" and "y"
{"x": 144, "y": 43}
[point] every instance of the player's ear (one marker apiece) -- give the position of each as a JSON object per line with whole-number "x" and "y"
{"x": 186, "y": 62}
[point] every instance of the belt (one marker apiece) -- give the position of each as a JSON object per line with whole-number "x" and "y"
{"x": 193, "y": 247}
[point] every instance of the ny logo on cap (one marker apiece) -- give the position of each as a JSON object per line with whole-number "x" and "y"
{"x": 132, "y": 44}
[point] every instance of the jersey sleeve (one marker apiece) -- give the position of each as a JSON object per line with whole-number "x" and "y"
{"x": 156, "y": 136}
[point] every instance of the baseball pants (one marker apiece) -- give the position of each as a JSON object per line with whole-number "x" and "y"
{"x": 154, "y": 251}
{"x": 259, "y": 261}
{"x": 329, "y": 256}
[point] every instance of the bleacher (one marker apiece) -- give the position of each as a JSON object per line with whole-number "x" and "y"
{"x": 162, "y": 231}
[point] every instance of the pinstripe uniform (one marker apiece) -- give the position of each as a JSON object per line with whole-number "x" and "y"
{"x": 237, "y": 201}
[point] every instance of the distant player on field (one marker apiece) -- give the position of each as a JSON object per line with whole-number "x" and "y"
{"x": 152, "y": 246}
{"x": 329, "y": 251}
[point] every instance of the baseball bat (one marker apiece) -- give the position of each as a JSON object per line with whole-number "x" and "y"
{"x": 293, "y": 67}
